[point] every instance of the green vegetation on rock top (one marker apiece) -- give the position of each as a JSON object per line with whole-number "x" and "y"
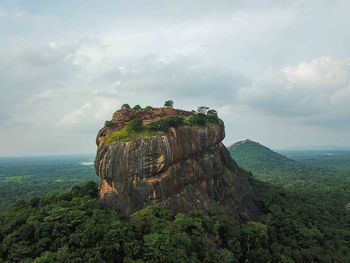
{"x": 135, "y": 128}
{"x": 126, "y": 134}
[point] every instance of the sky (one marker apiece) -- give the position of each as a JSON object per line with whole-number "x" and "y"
{"x": 278, "y": 72}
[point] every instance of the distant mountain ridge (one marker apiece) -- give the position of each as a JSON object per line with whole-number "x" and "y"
{"x": 256, "y": 157}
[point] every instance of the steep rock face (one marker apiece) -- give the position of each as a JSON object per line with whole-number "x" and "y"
{"x": 186, "y": 168}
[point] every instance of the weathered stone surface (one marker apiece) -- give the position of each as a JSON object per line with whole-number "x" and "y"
{"x": 186, "y": 168}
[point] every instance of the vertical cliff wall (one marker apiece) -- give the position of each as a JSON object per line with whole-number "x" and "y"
{"x": 186, "y": 168}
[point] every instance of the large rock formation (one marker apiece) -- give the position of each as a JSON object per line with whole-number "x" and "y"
{"x": 187, "y": 168}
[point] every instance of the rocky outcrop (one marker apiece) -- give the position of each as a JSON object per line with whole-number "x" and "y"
{"x": 187, "y": 169}
{"x": 122, "y": 117}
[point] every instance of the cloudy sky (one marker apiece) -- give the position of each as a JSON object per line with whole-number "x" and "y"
{"x": 278, "y": 72}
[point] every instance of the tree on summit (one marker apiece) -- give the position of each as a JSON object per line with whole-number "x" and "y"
{"x": 212, "y": 113}
{"x": 137, "y": 107}
{"x": 126, "y": 106}
{"x": 202, "y": 109}
{"x": 169, "y": 104}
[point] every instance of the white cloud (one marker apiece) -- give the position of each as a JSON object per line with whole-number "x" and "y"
{"x": 53, "y": 66}
{"x": 224, "y": 110}
{"x": 319, "y": 73}
{"x": 91, "y": 114}
{"x": 105, "y": 107}
{"x": 45, "y": 94}
{"x": 74, "y": 116}
{"x": 24, "y": 16}
{"x": 312, "y": 91}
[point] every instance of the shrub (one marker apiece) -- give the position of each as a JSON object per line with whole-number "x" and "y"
{"x": 196, "y": 119}
{"x": 174, "y": 121}
{"x": 165, "y": 123}
{"x": 148, "y": 108}
{"x": 108, "y": 123}
{"x": 213, "y": 119}
{"x": 157, "y": 126}
{"x": 212, "y": 116}
{"x": 135, "y": 125}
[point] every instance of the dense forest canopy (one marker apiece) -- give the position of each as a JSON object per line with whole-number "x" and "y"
{"x": 302, "y": 221}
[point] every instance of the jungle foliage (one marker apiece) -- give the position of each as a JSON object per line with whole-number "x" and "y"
{"x": 73, "y": 227}
{"x": 303, "y": 219}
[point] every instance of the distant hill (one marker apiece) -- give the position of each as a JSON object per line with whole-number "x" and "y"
{"x": 257, "y": 158}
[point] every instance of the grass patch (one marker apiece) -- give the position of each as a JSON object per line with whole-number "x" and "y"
{"x": 124, "y": 135}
